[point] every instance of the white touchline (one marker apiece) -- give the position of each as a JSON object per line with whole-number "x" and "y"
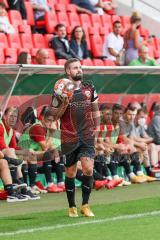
{"x": 58, "y": 226}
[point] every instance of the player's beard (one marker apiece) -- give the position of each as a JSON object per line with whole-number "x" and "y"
{"x": 78, "y": 77}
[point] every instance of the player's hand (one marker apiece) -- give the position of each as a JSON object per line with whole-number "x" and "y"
{"x": 1, "y": 155}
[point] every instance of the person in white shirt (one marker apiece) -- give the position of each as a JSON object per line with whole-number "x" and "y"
{"x": 113, "y": 45}
{"x": 5, "y": 25}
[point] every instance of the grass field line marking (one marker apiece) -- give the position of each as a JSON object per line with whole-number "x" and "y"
{"x": 59, "y": 226}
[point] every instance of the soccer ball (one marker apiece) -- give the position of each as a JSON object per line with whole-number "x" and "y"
{"x": 64, "y": 88}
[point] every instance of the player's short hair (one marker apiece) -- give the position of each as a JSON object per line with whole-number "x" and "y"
{"x": 130, "y": 108}
{"x": 2, "y": 5}
{"x": 11, "y": 109}
{"x": 70, "y": 61}
{"x": 116, "y": 107}
{"x": 116, "y": 22}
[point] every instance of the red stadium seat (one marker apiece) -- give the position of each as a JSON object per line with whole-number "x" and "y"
{"x": 2, "y": 56}
{"x": 115, "y": 18}
{"x": 60, "y": 7}
{"x": 125, "y": 20}
{"x": 10, "y": 55}
{"x": 71, "y": 8}
{"x": 15, "y": 17}
{"x": 23, "y": 50}
{"x": 24, "y": 29}
{"x": 39, "y": 41}
{"x": 63, "y": 18}
{"x": 98, "y": 62}
{"x": 144, "y": 32}
{"x": 108, "y": 62}
{"x": 64, "y": 1}
{"x": 30, "y": 14}
{"x": 94, "y": 30}
{"x": 96, "y": 20}
{"x": 51, "y": 53}
{"x": 50, "y": 21}
{"x": 85, "y": 20}
{"x": 157, "y": 43}
{"x": 61, "y": 61}
{"x": 74, "y": 19}
{"x": 96, "y": 45}
{"x": 26, "y": 40}
{"x": 3, "y": 41}
{"x": 48, "y": 38}
{"x": 87, "y": 62}
{"x": 106, "y": 20}
{"x": 14, "y": 41}
{"x": 50, "y": 62}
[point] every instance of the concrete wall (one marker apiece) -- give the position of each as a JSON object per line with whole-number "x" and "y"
{"x": 150, "y": 17}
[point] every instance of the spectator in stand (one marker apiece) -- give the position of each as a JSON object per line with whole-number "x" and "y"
{"x": 113, "y": 45}
{"x": 41, "y": 57}
{"x": 132, "y": 39}
{"x": 60, "y": 44}
{"x": 39, "y": 7}
{"x": 24, "y": 58}
{"x": 144, "y": 59}
{"x": 5, "y": 26}
{"x": 103, "y": 6}
{"x": 19, "y": 6}
{"x": 78, "y": 42}
{"x": 84, "y": 6}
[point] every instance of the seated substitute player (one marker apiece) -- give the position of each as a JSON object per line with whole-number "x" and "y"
{"x": 79, "y": 117}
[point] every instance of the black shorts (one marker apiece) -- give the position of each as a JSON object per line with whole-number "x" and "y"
{"x": 82, "y": 150}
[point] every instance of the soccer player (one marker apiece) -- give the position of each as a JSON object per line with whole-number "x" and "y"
{"x": 79, "y": 118}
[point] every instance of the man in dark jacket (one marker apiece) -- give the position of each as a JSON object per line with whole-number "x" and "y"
{"x": 61, "y": 45}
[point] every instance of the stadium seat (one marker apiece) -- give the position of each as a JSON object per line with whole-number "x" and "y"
{"x": 71, "y": 8}
{"x": 98, "y": 62}
{"x": 94, "y": 30}
{"x": 50, "y": 62}
{"x": 14, "y": 41}
{"x": 34, "y": 51}
{"x": 61, "y": 61}
{"x": 24, "y": 29}
{"x": 64, "y": 1}
{"x": 23, "y": 50}
{"x": 10, "y": 55}
{"x": 48, "y": 38}
{"x": 15, "y": 17}
{"x": 2, "y": 56}
{"x": 50, "y": 22}
{"x": 39, "y": 41}
{"x": 108, "y": 62}
{"x": 26, "y": 40}
{"x": 96, "y": 20}
{"x": 85, "y": 20}
{"x": 63, "y": 18}
{"x": 96, "y": 45}
{"x": 115, "y": 18}
{"x": 107, "y": 21}
{"x": 51, "y": 53}
{"x": 87, "y": 62}
{"x": 51, "y": 3}
{"x": 30, "y": 14}
{"x": 157, "y": 43}
{"x": 3, "y": 41}
{"x": 144, "y": 32}
{"x": 125, "y": 20}
{"x": 60, "y": 7}
{"x": 104, "y": 31}
{"x": 74, "y": 19}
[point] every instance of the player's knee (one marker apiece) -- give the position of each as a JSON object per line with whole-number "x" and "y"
{"x": 88, "y": 171}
